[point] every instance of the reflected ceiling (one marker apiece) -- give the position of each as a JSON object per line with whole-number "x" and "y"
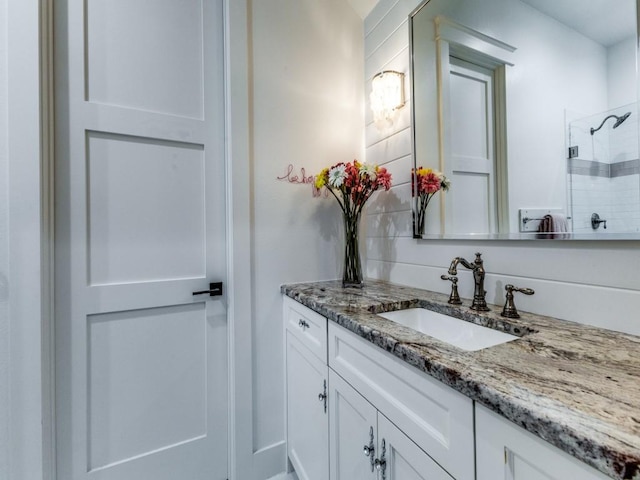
{"x": 579, "y": 15}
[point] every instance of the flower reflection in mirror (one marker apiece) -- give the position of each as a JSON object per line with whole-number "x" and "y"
{"x": 426, "y": 182}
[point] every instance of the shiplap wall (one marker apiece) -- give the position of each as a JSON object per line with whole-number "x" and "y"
{"x": 591, "y": 282}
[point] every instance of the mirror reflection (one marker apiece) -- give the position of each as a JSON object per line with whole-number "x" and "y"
{"x": 529, "y": 107}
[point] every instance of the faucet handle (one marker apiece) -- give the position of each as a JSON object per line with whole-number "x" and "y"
{"x": 509, "y": 309}
{"x": 454, "y": 298}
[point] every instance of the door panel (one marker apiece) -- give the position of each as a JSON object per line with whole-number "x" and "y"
{"x": 352, "y": 420}
{"x": 140, "y": 403}
{"x": 404, "y": 459}
{"x": 518, "y": 468}
{"x": 160, "y": 39}
{"x": 141, "y": 373}
{"x": 125, "y": 220}
{"x": 472, "y": 163}
{"x": 307, "y": 423}
{"x": 508, "y": 452}
{"x": 471, "y": 206}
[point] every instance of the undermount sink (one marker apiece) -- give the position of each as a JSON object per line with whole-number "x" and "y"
{"x": 459, "y": 333}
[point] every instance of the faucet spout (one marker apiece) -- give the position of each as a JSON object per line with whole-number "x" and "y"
{"x": 453, "y": 268}
{"x": 477, "y": 267}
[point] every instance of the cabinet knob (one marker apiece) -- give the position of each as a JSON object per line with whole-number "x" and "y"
{"x": 369, "y": 450}
{"x": 380, "y": 464}
{"x": 323, "y": 396}
{"x": 303, "y": 324}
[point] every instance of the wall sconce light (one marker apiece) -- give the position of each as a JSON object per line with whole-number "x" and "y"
{"x": 387, "y": 96}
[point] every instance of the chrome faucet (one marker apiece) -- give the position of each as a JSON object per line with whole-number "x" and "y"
{"x": 479, "y": 302}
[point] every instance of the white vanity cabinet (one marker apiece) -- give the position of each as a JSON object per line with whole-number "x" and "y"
{"x": 427, "y": 427}
{"x": 307, "y": 384}
{"x": 365, "y": 445}
{"x": 433, "y": 416}
{"x": 508, "y": 452}
{"x": 413, "y": 426}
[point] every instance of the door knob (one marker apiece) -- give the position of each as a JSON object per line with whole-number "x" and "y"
{"x": 215, "y": 289}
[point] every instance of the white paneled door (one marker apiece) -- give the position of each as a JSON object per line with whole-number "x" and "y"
{"x": 141, "y": 363}
{"x": 471, "y": 167}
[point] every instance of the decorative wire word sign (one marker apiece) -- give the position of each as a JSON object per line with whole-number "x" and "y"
{"x": 292, "y": 177}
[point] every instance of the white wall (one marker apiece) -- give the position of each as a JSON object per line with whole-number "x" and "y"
{"x": 622, "y": 73}
{"x": 4, "y": 249}
{"x": 590, "y": 282}
{"x": 307, "y": 111}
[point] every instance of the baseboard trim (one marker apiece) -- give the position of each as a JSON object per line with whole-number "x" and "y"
{"x": 270, "y": 461}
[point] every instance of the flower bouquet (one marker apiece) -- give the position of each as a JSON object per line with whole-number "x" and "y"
{"x": 352, "y": 184}
{"x": 427, "y": 183}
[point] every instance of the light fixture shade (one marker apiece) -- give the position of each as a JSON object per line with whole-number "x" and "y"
{"x": 387, "y": 95}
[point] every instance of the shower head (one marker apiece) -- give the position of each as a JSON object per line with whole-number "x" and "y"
{"x": 619, "y": 121}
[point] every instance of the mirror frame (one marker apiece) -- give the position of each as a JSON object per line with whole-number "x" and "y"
{"x": 596, "y": 236}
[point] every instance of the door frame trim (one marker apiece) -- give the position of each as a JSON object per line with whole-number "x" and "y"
{"x": 239, "y": 274}
{"x": 33, "y": 25}
{"x": 29, "y": 244}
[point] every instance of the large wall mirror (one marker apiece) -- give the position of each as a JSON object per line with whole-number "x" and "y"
{"x": 530, "y": 108}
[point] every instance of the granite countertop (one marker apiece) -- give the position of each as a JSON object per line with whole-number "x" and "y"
{"x": 575, "y": 386}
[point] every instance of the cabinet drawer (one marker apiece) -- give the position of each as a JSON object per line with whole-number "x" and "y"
{"x": 436, "y": 417}
{"x": 308, "y": 326}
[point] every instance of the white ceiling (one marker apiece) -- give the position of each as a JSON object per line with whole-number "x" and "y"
{"x": 363, "y": 7}
{"x": 605, "y": 21}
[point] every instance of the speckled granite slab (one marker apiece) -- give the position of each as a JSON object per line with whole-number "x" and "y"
{"x": 575, "y": 386}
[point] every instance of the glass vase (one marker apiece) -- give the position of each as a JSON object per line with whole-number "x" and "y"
{"x": 352, "y": 274}
{"x": 420, "y": 221}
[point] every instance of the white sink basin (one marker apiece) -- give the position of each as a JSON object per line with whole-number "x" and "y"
{"x": 459, "y": 333}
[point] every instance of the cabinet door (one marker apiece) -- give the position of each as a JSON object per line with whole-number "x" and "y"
{"x": 307, "y": 424}
{"x": 508, "y": 452}
{"x": 403, "y": 459}
{"x": 352, "y": 424}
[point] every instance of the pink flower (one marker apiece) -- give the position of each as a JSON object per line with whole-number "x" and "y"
{"x": 383, "y": 178}
{"x": 353, "y": 183}
{"x": 429, "y": 183}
